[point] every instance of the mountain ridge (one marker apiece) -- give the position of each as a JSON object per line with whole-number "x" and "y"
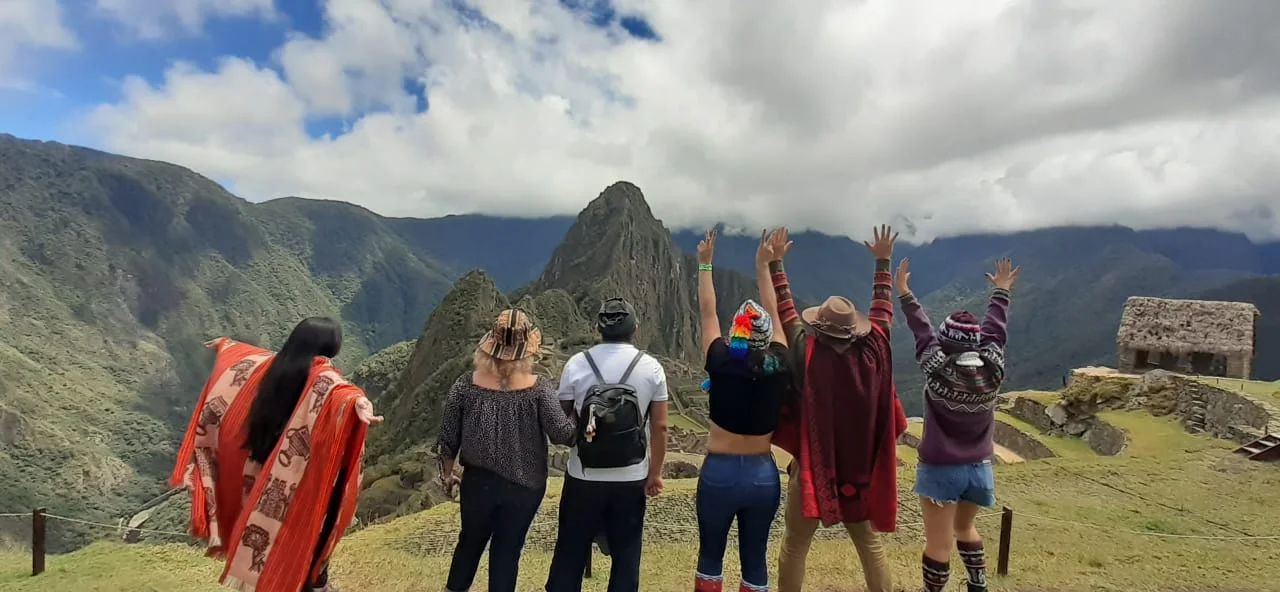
{"x": 114, "y": 270}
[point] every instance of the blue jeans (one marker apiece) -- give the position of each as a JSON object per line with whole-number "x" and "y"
{"x": 945, "y": 484}
{"x": 745, "y": 487}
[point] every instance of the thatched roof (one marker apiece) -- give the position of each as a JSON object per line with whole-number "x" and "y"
{"x": 1181, "y": 326}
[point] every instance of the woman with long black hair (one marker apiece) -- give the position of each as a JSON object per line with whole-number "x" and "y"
{"x": 272, "y": 457}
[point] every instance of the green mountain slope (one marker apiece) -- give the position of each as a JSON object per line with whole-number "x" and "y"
{"x": 114, "y": 270}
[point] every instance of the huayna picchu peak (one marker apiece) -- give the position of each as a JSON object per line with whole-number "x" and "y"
{"x": 617, "y": 248}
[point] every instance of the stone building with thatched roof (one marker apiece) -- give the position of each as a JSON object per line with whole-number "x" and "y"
{"x": 1187, "y": 336}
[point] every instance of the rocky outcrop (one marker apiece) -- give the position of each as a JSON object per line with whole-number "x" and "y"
{"x": 1035, "y": 413}
{"x": 1073, "y": 417}
{"x": 1092, "y": 389}
{"x": 1104, "y": 438}
{"x": 1021, "y": 443}
{"x": 679, "y": 469}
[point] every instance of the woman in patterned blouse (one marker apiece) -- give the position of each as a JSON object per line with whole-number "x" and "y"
{"x": 497, "y": 421}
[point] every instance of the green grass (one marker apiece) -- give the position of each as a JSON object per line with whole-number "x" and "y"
{"x": 1166, "y": 482}
{"x": 1160, "y": 437}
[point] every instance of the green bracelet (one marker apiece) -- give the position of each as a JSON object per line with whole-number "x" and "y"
{"x": 704, "y": 267}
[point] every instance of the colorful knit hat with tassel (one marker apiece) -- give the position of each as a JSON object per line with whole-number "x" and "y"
{"x": 960, "y": 331}
{"x": 752, "y": 329}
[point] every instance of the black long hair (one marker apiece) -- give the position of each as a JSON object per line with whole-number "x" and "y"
{"x": 284, "y": 380}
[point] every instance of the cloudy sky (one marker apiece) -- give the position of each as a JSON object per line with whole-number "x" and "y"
{"x": 830, "y": 114}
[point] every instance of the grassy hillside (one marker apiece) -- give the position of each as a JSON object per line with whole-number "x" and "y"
{"x": 114, "y": 270}
{"x": 1133, "y": 510}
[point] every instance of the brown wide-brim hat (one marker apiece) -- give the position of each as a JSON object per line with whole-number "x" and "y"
{"x": 837, "y": 318}
{"x": 513, "y": 337}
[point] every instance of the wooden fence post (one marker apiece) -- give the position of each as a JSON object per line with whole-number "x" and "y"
{"x": 1006, "y": 530}
{"x": 37, "y": 541}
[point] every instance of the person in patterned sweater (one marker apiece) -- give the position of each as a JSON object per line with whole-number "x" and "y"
{"x": 963, "y": 363}
{"x": 842, "y": 378}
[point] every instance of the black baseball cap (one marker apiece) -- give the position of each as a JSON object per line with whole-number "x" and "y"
{"x": 615, "y": 312}
{"x": 616, "y": 318}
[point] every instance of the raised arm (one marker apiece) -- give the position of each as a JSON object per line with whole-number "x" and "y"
{"x": 764, "y": 283}
{"x": 560, "y": 428}
{"x": 788, "y": 318}
{"x": 707, "y": 291}
{"x": 917, "y": 319}
{"x": 995, "y": 322}
{"x": 881, "y": 312}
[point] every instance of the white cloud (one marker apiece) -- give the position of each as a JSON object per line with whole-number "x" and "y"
{"x": 28, "y": 24}
{"x": 962, "y": 117}
{"x": 155, "y": 19}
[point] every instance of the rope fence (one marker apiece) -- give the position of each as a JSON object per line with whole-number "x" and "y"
{"x": 117, "y": 527}
{"x": 1205, "y": 537}
{"x": 40, "y": 517}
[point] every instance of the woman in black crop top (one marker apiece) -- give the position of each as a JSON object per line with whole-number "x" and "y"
{"x": 748, "y": 378}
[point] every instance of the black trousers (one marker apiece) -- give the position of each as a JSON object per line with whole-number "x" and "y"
{"x": 326, "y": 528}
{"x": 496, "y": 513}
{"x": 586, "y": 509}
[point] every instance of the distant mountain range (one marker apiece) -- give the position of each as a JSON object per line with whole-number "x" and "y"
{"x": 113, "y": 270}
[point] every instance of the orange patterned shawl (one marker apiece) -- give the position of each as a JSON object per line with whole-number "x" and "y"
{"x": 268, "y": 529}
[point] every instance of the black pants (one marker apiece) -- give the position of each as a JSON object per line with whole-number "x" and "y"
{"x": 326, "y": 528}
{"x": 587, "y": 508}
{"x": 497, "y": 513}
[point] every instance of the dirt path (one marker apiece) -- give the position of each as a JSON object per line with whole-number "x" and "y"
{"x": 1008, "y": 456}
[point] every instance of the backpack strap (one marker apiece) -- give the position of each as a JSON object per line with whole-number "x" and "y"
{"x": 627, "y": 374}
{"x": 595, "y": 369}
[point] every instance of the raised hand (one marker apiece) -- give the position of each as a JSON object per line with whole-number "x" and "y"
{"x": 882, "y": 247}
{"x": 764, "y": 252}
{"x": 364, "y": 411}
{"x": 778, "y": 244}
{"x": 707, "y": 247}
{"x": 902, "y": 278}
{"x": 1005, "y": 274}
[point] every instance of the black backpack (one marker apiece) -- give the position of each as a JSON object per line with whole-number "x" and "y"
{"x": 620, "y": 439}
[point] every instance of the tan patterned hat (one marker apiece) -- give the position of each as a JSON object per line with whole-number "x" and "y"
{"x": 513, "y": 337}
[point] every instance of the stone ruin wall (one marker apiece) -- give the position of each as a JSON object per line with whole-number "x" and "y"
{"x": 1102, "y": 437}
{"x": 1199, "y": 406}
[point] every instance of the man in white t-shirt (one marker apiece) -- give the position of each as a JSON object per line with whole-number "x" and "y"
{"x": 612, "y": 499}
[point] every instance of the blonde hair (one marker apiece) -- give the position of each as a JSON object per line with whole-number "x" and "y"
{"x": 503, "y": 370}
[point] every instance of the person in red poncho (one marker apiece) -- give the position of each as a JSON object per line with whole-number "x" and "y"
{"x": 272, "y": 457}
{"x": 841, "y": 422}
